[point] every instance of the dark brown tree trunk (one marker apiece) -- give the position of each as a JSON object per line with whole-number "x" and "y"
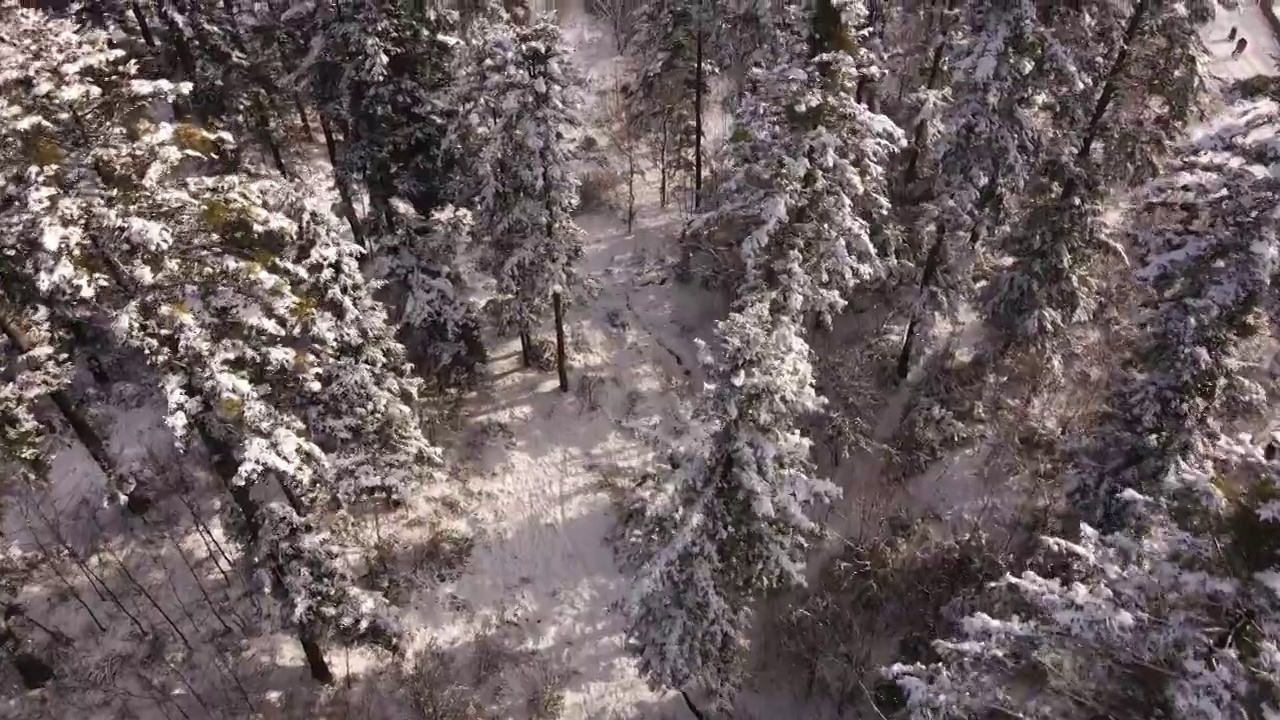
{"x": 315, "y": 658}
{"x": 931, "y": 265}
{"x": 181, "y": 47}
{"x": 631, "y": 190}
{"x": 917, "y": 136}
{"x": 344, "y": 190}
{"x": 143, "y": 26}
{"x": 302, "y": 116}
{"x": 697, "y": 113}
{"x": 526, "y": 349}
{"x": 182, "y": 108}
{"x": 1109, "y": 88}
{"x": 264, "y": 128}
{"x": 225, "y": 465}
{"x": 662, "y": 163}
{"x": 561, "y": 360}
{"x": 697, "y": 712}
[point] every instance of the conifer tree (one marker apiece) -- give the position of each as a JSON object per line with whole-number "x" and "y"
{"x": 727, "y": 523}
{"x": 676, "y": 47}
{"x": 975, "y": 151}
{"x": 809, "y": 179}
{"x": 1176, "y": 619}
{"x": 526, "y": 97}
{"x": 242, "y": 296}
{"x": 1057, "y": 247}
{"x": 380, "y": 75}
{"x": 1202, "y": 243}
{"x": 436, "y": 268}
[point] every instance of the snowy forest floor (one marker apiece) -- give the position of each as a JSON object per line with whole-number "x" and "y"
{"x": 543, "y": 460}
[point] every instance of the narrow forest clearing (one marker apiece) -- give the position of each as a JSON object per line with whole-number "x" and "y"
{"x": 544, "y": 562}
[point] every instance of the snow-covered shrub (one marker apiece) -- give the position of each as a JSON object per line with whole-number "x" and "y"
{"x": 544, "y": 690}
{"x": 1177, "y": 618}
{"x": 436, "y": 689}
{"x": 591, "y": 391}
{"x": 598, "y": 190}
{"x": 487, "y": 678}
{"x": 898, "y": 590}
{"x": 542, "y": 354}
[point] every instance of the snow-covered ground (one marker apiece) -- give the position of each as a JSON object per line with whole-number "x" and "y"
{"x": 545, "y": 562}
{"x": 1259, "y": 58}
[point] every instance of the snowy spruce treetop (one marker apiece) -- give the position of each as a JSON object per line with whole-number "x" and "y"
{"x": 1115, "y": 111}
{"x": 1204, "y": 243}
{"x": 728, "y": 520}
{"x": 810, "y": 176}
{"x": 384, "y": 72}
{"x": 525, "y": 98}
{"x": 1178, "y": 620}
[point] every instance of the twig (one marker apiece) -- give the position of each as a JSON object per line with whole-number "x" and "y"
{"x": 871, "y": 699}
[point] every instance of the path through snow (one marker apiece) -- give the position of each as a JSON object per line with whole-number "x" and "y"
{"x": 545, "y": 563}
{"x": 1259, "y": 58}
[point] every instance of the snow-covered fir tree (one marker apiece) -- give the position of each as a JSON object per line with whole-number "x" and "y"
{"x": 1177, "y": 621}
{"x": 1152, "y": 57}
{"x": 975, "y": 149}
{"x": 380, "y": 72}
{"x": 1162, "y": 602}
{"x": 676, "y": 46}
{"x": 809, "y": 177}
{"x": 726, "y": 521}
{"x": 436, "y": 269}
{"x": 524, "y": 99}
{"x": 242, "y": 295}
{"x": 1204, "y": 243}
{"x": 233, "y": 74}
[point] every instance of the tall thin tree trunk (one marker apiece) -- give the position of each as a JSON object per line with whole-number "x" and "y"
{"x": 264, "y": 129}
{"x": 917, "y": 136}
{"x": 631, "y": 190}
{"x": 526, "y": 349}
{"x": 561, "y": 360}
{"x": 186, "y": 61}
{"x": 1109, "y": 88}
{"x": 225, "y": 465}
{"x": 931, "y": 265}
{"x": 697, "y": 113}
{"x": 143, "y": 26}
{"x": 302, "y": 116}
{"x": 662, "y": 162}
{"x": 344, "y": 190}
